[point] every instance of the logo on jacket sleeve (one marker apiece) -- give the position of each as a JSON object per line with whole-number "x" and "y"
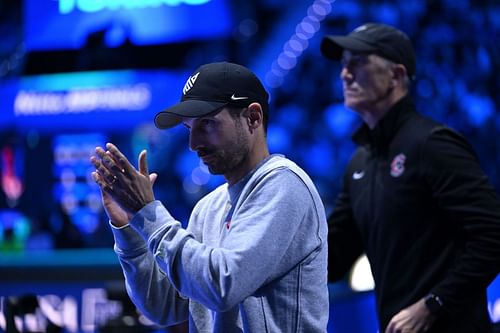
{"x": 358, "y": 175}
{"x": 398, "y": 165}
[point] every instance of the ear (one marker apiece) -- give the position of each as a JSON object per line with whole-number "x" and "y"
{"x": 254, "y": 116}
{"x": 398, "y": 73}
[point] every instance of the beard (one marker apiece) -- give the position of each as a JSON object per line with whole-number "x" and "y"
{"x": 226, "y": 159}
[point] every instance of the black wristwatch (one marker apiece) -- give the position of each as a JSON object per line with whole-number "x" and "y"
{"x": 434, "y": 304}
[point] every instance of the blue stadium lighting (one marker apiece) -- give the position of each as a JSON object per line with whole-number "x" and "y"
{"x": 190, "y": 187}
{"x": 287, "y": 60}
{"x": 186, "y": 163}
{"x": 298, "y": 42}
{"x": 479, "y": 109}
{"x": 279, "y": 138}
{"x": 291, "y": 117}
{"x": 425, "y": 88}
{"x": 484, "y": 59}
{"x": 92, "y": 6}
{"x": 386, "y": 13}
{"x": 296, "y": 46}
{"x": 340, "y": 120}
{"x": 347, "y": 9}
{"x": 319, "y": 9}
{"x": 200, "y": 176}
{"x": 319, "y": 158}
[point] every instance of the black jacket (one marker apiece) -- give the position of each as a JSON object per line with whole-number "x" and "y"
{"x": 416, "y": 201}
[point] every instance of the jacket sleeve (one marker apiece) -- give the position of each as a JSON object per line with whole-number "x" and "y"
{"x": 147, "y": 286}
{"x": 464, "y": 195}
{"x": 344, "y": 240}
{"x": 262, "y": 228}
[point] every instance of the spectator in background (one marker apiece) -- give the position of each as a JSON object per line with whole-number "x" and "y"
{"x": 414, "y": 197}
{"x": 253, "y": 257}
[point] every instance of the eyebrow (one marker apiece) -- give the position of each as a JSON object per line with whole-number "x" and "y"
{"x": 208, "y": 116}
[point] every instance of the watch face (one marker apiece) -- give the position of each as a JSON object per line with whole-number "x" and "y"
{"x": 433, "y": 303}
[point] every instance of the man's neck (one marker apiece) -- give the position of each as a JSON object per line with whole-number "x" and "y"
{"x": 247, "y": 165}
{"x": 372, "y": 114}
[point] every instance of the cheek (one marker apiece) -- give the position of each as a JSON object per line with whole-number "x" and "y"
{"x": 205, "y": 138}
{"x": 222, "y": 137}
{"x": 363, "y": 79}
{"x": 373, "y": 85}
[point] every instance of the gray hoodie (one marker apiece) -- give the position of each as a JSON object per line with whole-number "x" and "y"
{"x": 252, "y": 259}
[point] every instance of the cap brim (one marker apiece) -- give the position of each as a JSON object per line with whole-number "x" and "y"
{"x": 332, "y": 46}
{"x": 191, "y": 108}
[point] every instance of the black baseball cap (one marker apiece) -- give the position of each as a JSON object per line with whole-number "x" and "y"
{"x": 381, "y": 39}
{"x": 211, "y": 87}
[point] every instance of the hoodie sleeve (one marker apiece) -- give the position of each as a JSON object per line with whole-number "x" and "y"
{"x": 264, "y": 225}
{"x": 146, "y": 284}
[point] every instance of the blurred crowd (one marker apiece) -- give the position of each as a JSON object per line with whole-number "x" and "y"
{"x": 457, "y": 82}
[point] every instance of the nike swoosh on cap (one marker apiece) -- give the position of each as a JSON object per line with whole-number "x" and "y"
{"x": 234, "y": 98}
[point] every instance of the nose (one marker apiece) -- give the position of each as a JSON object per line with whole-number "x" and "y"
{"x": 346, "y": 75}
{"x": 193, "y": 141}
{"x": 197, "y": 137}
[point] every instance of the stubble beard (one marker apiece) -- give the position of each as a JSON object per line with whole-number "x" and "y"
{"x": 233, "y": 155}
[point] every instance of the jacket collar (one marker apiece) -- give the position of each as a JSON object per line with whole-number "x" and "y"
{"x": 379, "y": 137}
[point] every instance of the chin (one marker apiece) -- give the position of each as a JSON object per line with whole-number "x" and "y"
{"x": 350, "y": 104}
{"x": 214, "y": 170}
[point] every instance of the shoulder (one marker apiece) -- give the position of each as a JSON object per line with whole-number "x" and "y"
{"x": 417, "y": 129}
{"x": 424, "y": 135}
{"x": 432, "y": 135}
{"x": 435, "y": 145}
{"x": 278, "y": 167}
{"x": 282, "y": 179}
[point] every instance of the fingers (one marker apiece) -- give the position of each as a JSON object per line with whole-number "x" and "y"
{"x": 110, "y": 165}
{"x": 152, "y": 178}
{"x": 113, "y": 167}
{"x": 391, "y": 327}
{"x": 102, "y": 176}
{"x": 120, "y": 161}
{"x": 143, "y": 163}
{"x": 103, "y": 184}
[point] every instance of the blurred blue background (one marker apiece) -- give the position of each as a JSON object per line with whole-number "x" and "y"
{"x": 79, "y": 73}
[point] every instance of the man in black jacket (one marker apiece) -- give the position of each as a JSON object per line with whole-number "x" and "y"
{"x": 414, "y": 197}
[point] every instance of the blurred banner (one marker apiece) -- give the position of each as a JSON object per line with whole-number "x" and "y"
{"x": 73, "y": 24}
{"x": 108, "y": 100}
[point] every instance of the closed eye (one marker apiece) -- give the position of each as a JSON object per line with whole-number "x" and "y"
{"x": 207, "y": 122}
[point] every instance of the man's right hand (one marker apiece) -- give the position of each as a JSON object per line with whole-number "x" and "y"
{"x": 118, "y": 216}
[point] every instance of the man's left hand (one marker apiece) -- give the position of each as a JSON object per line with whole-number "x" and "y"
{"x": 132, "y": 189}
{"x": 414, "y": 319}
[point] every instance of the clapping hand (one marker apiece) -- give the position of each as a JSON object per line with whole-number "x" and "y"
{"x": 124, "y": 189}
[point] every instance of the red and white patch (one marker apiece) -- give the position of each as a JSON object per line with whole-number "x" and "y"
{"x": 398, "y": 165}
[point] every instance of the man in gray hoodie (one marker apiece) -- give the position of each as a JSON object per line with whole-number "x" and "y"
{"x": 253, "y": 257}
